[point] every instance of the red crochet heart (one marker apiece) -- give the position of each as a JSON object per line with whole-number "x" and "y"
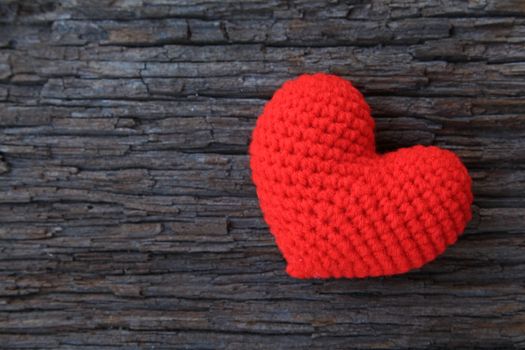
{"x": 335, "y": 206}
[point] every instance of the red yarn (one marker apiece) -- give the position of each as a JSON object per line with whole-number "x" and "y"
{"x": 335, "y": 206}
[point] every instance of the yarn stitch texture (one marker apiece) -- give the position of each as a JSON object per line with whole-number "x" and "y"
{"x": 336, "y": 207}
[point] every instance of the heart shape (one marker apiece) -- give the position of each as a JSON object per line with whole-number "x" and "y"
{"x": 337, "y": 208}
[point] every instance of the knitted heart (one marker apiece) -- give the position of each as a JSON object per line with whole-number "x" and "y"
{"x": 335, "y": 206}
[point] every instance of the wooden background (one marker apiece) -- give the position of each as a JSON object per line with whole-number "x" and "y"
{"x": 128, "y": 217}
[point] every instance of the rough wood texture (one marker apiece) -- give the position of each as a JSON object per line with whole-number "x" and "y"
{"x": 128, "y": 217}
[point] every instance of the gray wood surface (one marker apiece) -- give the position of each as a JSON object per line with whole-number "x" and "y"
{"x": 127, "y": 215}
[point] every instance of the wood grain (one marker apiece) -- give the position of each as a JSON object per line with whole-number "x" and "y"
{"x": 128, "y": 217}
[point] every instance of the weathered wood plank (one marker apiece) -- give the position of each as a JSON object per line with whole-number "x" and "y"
{"x": 128, "y": 216}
